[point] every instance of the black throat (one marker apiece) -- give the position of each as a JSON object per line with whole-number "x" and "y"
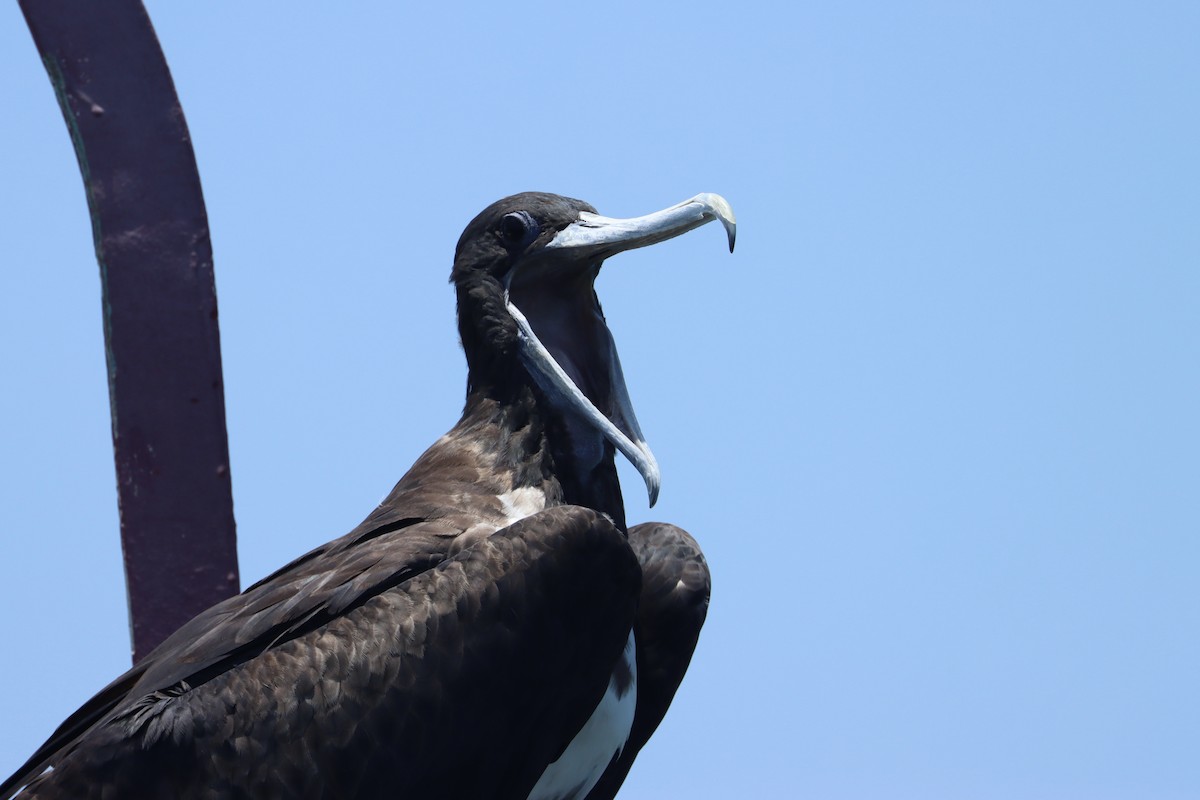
{"x": 507, "y": 414}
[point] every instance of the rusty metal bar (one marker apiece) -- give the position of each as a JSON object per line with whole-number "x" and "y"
{"x": 159, "y": 307}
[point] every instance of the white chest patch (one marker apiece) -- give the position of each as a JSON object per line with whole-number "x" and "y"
{"x": 601, "y": 737}
{"x": 521, "y": 503}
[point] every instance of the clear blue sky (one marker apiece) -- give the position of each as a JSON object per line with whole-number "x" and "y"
{"x": 935, "y": 423}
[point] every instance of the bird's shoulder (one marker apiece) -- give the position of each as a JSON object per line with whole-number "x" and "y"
{"x": 391, "y": 546}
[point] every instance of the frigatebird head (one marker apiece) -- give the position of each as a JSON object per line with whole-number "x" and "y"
{"x": 525, "y": 270}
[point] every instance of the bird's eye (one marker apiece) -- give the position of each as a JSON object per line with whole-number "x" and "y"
{"x": 516, "y": 230}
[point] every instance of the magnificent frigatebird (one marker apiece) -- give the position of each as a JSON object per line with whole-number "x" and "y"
{"x": 491, "y": 630}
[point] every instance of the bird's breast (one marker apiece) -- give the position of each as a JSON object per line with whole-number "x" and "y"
{"x": 517, "y": 504}
{"x": 601, "y": 738}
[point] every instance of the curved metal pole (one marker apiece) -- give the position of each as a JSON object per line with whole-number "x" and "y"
{"x": 159, "y": 307}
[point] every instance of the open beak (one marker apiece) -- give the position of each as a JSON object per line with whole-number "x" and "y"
{"x": 603, "y": 236}
{"x": 593, "y": 238}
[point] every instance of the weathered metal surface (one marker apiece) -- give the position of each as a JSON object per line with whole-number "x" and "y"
{"x": 159, "y": 307}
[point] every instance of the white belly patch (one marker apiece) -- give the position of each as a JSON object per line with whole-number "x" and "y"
{"x": 600, "y": 738}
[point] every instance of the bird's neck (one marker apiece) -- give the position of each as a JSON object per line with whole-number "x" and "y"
{"x": 513, "y": 441}
{"x": 511, "y": 429}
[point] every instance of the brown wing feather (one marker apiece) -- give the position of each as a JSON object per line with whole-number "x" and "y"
{"x": 266, "y": 614}
{"x": 353, "y": 697}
